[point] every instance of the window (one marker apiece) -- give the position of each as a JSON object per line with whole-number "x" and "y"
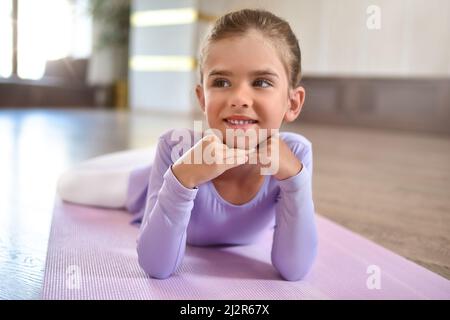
{"x": 46, "y": 30}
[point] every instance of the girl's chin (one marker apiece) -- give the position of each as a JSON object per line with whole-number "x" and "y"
{"x": 243, "y": 139}
{"x": 244, "y": 143}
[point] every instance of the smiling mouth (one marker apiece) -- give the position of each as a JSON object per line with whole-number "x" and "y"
{"x": 240, "y": 123}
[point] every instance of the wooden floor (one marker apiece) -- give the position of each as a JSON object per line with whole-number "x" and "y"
{"x": 391, "y": 187}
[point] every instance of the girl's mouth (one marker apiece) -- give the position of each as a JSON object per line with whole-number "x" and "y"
{"x": 239, "y": 124}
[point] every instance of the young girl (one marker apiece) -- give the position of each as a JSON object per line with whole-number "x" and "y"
{"x": 250, "y": 73}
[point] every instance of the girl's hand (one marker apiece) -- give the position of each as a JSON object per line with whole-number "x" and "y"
{"x": 274, "y": 157}
{"x": 206, "y": 160}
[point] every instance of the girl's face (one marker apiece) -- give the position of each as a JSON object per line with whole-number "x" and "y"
{"x": 244, "y": 76}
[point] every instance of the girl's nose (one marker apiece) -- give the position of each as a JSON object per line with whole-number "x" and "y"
{"x": 237, "y": 104}
{"x": 240, "y": 98}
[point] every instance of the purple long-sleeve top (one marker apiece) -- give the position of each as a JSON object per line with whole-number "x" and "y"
{"x": 173, "y": 215}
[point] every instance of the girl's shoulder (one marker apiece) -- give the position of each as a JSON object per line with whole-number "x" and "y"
{"x": 296, "y": 141}
{"x": 173, "y": 143}
{"x": 300, "y": 146}
{"x": 179, "y": 136}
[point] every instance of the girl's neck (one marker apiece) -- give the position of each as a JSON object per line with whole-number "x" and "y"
{"x": 240, "y": 173}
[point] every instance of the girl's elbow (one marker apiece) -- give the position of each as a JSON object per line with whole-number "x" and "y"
{"x": 294, "y": 270}
{"x": 294, "y": 275}
{"x": 159, "y": 274}
{"x": 152, "y": 269}
{"x": 151, "y": 266}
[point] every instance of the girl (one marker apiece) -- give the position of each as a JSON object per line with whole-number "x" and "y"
{"x": 249, "y": 79}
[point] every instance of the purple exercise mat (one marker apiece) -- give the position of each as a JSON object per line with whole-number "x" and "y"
{"x": 91, "y": 255}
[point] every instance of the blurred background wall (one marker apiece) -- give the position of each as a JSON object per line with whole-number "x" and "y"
{"x": 339, "y": 38}
{"x": 163, "y": 55}
{"x": 383, "y": 63}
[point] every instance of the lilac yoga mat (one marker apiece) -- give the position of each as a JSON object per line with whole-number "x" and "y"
{"x": 92, "y": 255}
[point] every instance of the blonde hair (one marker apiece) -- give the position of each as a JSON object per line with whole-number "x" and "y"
{"x": 274, "y": 28}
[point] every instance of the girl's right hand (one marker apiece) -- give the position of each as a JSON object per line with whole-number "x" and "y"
{"x": 206, "y": 160}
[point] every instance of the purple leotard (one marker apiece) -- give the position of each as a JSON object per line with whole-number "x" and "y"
{"x": 173, "y": 215}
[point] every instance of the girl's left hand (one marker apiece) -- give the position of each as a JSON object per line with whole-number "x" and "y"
{"x": 282, "y": 164}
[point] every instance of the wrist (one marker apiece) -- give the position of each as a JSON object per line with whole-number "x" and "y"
{"x": 183, "y": 176}
{"x": 287, "y": 173}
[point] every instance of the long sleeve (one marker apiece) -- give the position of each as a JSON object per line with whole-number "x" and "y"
{"x": 162, "y": 237}
{"x": 295, "y": 240}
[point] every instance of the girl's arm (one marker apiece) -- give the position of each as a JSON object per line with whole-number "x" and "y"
{"x": 295, "y": 240}
{"x": 162, "y": 237}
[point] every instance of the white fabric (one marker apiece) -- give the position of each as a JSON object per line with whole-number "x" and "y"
{"x": 103, "y": 181}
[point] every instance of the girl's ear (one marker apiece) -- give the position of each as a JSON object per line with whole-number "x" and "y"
{"x": 295, "y": 103}
{"x": 200, "y": 96}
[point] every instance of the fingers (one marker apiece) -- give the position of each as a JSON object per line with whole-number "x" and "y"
{"x": 253, "y": 157}
{"x": 229, "y": 152}
{"x": 251, "y": 151}
{"x": 211, "y": 137}
{"x": 233, "y": 153}
{"x": 235, "y": 157}
{"x": 236, "y": 161}
{"x": 221, "y": 153}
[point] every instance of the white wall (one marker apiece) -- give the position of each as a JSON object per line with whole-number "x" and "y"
{"x": 334, "y": 39}
{"x": 413, "y": 41}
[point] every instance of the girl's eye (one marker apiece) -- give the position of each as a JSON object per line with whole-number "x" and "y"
{"x": 221, "y": 83}
{"x": 262, "y": 83}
